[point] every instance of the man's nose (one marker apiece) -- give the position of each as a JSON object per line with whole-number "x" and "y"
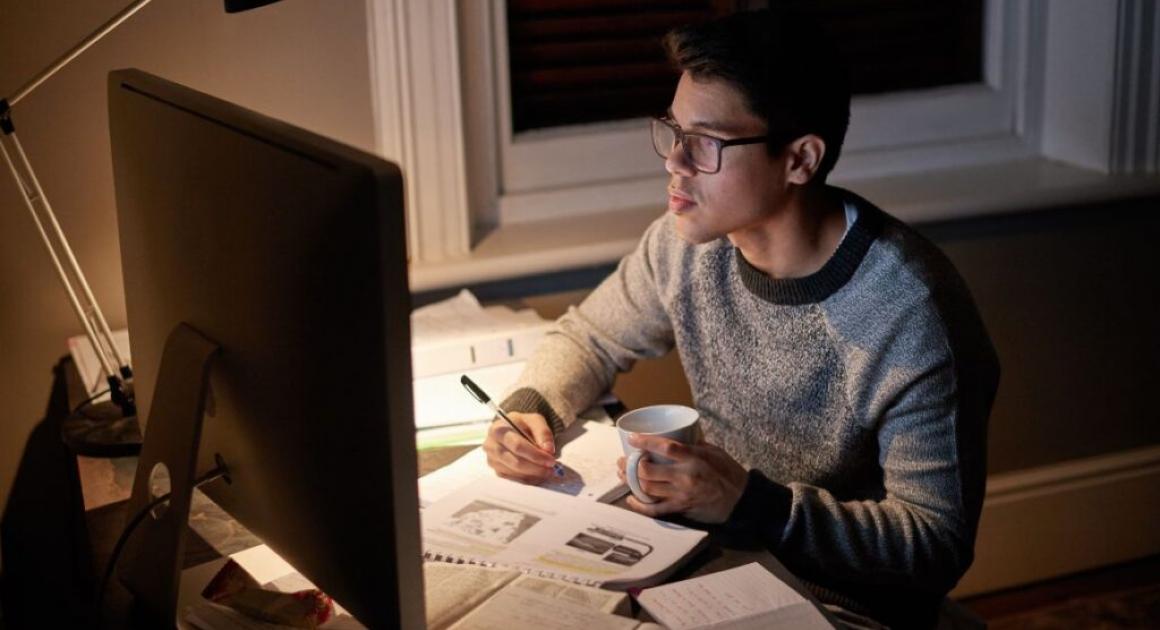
{"x": 678, "y": 162}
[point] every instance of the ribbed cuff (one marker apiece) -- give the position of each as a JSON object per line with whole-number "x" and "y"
{"x": 528, "y": 400}
{"x": 762, "y": 511}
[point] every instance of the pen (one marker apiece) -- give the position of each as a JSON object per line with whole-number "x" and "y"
{"x": 482, "y": 397}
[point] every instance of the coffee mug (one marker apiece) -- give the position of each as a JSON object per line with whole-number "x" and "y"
{"x": 675, "y": 422}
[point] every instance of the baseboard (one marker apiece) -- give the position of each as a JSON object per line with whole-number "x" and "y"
{"x": 1064, "y": 518}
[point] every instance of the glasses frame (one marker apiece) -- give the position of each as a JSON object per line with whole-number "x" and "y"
{"x": 681, "y": 134}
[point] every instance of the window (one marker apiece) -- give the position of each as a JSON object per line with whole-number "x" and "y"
{"x": 926, "y": 73}
{"x": 1038, "y": 86}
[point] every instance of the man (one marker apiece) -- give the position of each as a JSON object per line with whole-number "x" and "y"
{"x": 842, "y": 372}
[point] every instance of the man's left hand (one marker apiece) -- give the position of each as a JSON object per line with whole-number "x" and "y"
{"x": 703, "y": 482}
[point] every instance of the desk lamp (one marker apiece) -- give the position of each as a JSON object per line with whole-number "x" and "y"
{"x": 107, "y": 429}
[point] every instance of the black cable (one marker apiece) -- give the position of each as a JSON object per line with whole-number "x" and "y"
{"x": 88, "y": 401}
{"x": 216, "y": 472}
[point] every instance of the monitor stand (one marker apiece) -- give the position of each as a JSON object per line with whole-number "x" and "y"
{"x": 153, "y": 554}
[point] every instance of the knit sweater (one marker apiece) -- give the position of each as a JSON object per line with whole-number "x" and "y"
{"x": 857, "y": 397}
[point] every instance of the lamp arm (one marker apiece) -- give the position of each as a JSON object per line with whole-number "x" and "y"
{"x": 75, "y": 51}
{"x": 33, "y": 195}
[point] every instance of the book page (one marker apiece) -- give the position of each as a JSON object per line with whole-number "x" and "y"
{"x": 748, "y": 596}
{"x": 452, "y": 590}
{"x": 588, "y": 450}
{"x": 612, "y": 602}
{"x": 523, "y": 608}
{"x": 502, "y": 522}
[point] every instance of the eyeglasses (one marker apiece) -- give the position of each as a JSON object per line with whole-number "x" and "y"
{"x": 703, "y": 151}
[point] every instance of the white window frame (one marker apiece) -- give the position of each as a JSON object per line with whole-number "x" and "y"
{"x": 439, "y": 75}
{"x": 597, "y": 167}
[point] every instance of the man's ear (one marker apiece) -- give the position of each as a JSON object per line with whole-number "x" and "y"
{"x": 805, "y": 156}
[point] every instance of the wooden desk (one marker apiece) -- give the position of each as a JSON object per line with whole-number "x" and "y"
{"x": 97, "y": 491}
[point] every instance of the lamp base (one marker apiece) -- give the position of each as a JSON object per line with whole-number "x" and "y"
{"x": 102, "y": 430}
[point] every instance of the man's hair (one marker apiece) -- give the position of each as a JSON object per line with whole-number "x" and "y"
{"x": 785, "y": 66}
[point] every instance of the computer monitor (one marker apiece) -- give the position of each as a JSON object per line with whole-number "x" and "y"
{"x": 287, "y": 250}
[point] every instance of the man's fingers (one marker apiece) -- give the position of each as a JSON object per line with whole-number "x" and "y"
{"x": 515, "y": 443}
{"x": 659, "y": 508}
{"x": 664, "y": 447}
{"x": 510, "y": 465}
{"x": 536, "y": 426}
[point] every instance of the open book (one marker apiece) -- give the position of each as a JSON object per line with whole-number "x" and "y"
{"x": 462, "y": 596}
{"x": 588, "y": 450}
{"x": 503, "y": 523}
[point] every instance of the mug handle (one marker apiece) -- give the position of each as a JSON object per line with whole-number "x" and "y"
{"x": 633, "y": 481}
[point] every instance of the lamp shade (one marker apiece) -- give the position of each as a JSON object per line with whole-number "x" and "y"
{"x": 235, "y": 6}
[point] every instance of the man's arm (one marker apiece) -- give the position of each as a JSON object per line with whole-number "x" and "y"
{"x": 621, "y": 321}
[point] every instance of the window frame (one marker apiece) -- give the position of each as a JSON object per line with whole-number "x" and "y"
{"x": 437, "y": 102}
{"x": 544, "y": 174}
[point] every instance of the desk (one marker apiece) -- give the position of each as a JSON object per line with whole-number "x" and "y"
{"x": 94, "y": 495}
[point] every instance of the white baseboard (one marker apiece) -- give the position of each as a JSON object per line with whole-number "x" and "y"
{"x": 1055, "y": 520}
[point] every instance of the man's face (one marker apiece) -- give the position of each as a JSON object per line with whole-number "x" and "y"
{"x": 750, "y": 185}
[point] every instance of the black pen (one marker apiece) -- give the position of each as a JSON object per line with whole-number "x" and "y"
{"x": 482, "y": 397}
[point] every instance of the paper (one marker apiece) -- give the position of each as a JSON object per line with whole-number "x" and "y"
{"x": 748, "y": 596}
{"x": 453, "y": 590}
{"x": 441, "y": 400}
{"x": 458, "y": 334}
{"x": 588, "y": 450}
{"x": 504, "y": 523}
{"x": 523, "y": 608}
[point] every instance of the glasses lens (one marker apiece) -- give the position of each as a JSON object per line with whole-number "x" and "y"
{"x": 664, "y": 138}
{"x": 703, "y": 152}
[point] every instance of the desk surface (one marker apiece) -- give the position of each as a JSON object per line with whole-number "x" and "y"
{"x": 212, "y": 533}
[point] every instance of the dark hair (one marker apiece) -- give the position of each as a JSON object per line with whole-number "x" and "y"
{"x": 784, "y": 64}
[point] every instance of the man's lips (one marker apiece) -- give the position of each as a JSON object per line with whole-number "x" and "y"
{"x": 680, "y": 202}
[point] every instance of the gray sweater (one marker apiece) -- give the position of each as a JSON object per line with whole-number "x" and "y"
{"x": 857, "y": 397}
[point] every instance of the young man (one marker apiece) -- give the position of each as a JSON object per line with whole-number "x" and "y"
{"x": 842, "y": 372}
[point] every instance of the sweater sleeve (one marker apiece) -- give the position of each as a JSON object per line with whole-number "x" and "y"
{"x": 621, "y": 321}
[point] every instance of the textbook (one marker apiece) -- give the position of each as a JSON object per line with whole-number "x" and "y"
{"x": 462, "y": 596}
{"x": 496, "y": 522}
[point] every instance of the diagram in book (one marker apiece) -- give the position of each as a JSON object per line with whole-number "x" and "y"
{"x": 493, "y": 523}
{"x": 610, "y": 545}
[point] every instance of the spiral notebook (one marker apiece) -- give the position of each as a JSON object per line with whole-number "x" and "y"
{"x": 496, "y": 522}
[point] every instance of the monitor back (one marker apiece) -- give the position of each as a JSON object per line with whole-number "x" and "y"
{"x": 288, "y": 250}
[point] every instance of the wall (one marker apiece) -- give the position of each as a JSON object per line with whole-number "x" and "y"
{"x": 302, "y": 61}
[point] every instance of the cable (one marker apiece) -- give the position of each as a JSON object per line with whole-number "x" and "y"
{"x": 217, "y": 472}
{"x": 88, "y": 401}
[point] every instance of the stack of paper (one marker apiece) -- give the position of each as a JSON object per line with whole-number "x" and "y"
{"x": 459, "y": 336}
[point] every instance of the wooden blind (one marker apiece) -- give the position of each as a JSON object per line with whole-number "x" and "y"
{"x": 582, "y": 61}
{"x": 579, "y": 61}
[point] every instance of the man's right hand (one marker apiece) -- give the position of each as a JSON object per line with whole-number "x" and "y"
{"x": 513, "y": 457}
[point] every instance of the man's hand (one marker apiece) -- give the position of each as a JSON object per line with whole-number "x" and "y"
{"x": 513, "y": 457}
{"x": 703, "y": 483}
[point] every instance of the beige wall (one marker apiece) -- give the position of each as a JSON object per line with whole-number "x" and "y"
{"x": 302, "y": 61}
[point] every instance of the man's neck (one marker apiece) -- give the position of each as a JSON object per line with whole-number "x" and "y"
{"x": 799, "y": 238}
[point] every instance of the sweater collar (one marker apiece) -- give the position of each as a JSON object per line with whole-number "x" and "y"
{"x": 838, "y": 270}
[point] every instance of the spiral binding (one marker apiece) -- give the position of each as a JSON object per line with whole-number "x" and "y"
{"x": 440, "y": 557}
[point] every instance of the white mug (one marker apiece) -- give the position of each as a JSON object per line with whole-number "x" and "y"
{"x": 675, "y": 422}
